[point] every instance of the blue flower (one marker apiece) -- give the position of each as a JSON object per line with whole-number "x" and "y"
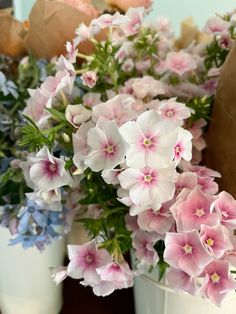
{"x": 31, "y": 211}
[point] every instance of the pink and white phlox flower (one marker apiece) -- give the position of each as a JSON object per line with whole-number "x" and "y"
{"x": 149, "y": 185}
{"x": 119, "y": 275}
{"x": 89, "y": 79}
{"x": 180, "y": 62}
{"x": 163, "y": 25}
{"x": 173, "y": 111}
{"x": 111, "y": 176}
{"x": 186, "y": 180}
{"x": 48, "y": 172}
{"x": 185, "y": 251}
{"x": 208, "y": 185}
{"x": 159, "y": 221}
{"x": 144, "y": 242}
{"x": 126, "y": 50}
{"x": 216, "y": 25}
{"x": 59, "y": 274}
{"x": 180, "y": 281}
{"x": 225, "y": 206}
{"x": 77, "y": 114}
{"x": 195, "y": 211}
{"x": 91, "y": 99}
{"x": 80, "y": 145}
{"x": 147, "y": 86}
{"x": 134, "y": 21}
{"x": 36, "y": 107}
{"x": 108, "y": 20}
{"x": 119, "y": 108}
{"x": 183, "y": 145}
{"x": 71, "y": 52}
{"x": 107, "y": 147}
{"x": 128, "y": 65}
{"x": 216, "y": 240}
{"x": 218, "y": 282}
{"x": 83, "y": 32}
{"x": 85, "y": 259}
{"x": 151, "y": 139}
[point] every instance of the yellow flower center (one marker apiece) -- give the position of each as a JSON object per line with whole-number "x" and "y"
{"x": 188, "y": 249}
{"x": 215, "y": 278}
{"x": 210, "y": 242}
{"x": 199, "y": 212}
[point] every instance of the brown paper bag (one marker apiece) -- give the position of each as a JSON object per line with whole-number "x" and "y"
{"x": 51, "y": 24}
{"x": 189, "y": 33}
{"x": 221, "y": 135}
{"x": 12, "y": 35}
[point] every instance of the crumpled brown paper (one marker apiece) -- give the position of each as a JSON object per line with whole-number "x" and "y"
{"x": 12, "y": 34}
{"x": 51, "y": 24}
{"x": 221, "y": 135}
{"x": 190, "y": 33}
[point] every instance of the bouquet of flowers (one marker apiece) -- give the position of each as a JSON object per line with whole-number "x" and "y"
{"x": 118, "y": 139}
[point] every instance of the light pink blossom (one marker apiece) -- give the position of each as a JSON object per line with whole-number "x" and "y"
{"x": 195, "y": 211}
{"x": 185, "y": 251}
{"x": 89, "y": 79}
{"x": 225, "y": 206}
{"x": 149, "y": 186}
{"x": 216, "y": 25}
{"x": 180, "y": 62}
{"x": 151, "y": 139}
{"x": 48, "y": 172}
{"x": 218, "y": 282}
{"x": 107, "y": 147}
{"x": 108, "y": 20}
{"x": 91, "y": 99}
{"x": 77, "y": 114}
{"x": 134, "y": 17}
{"x": 144, "y": 242}
{"x": 59, "y": 274}
{"x": 180, "y": 281}
{"x": 147, "y": 86}
{"x": 216, "y": 240}
{"x": 85, "y": 259}
{"x": 159, "y": 221}
{"x": 173, "y": 111}
{"x": 183, "y": 146}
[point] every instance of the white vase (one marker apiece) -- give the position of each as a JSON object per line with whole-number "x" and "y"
{"x": 152, "y": 297}
{"x": 26, "y": 286}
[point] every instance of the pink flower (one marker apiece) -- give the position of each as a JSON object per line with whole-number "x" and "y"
{"x": 180, "y": 281}
{"x": 80, "y": 146}
{"x": 159, "y": 221}
{"x": 149, "y": 186}
{"x": 128, "y": 65}
{"x": 144, "y": 243}
{"x": 216, "y": 25}
{"x": 77, "y": 114}
{"x": 151, "y": 140}
{"x": 163, "y": 25}
{"x": 119, "y": 275}
{"x": 89, "y": 79}
{"x": 48, "y": 172}
{"x": 195, "y": 211}
{"x": 225, "y": 41}
{"x": 185, "y": 251}
{"x": 180, "y": 62}
{"x": 72, "y": 52}
{"x": 218, "y": 282}
{"x": 36, "y": 105}
{"x": 108, "y": 20}
{"x": 91, "y": 99}
{"x": 183, "y": 146}
{"x": 208, "y": 185}
{"x": 216, "y": 240}
{"x": 126, "y": 50}
{"x": 85, "y": 259}
{"x": 186, "y": 180}
{"x": 83, "y": 32}
{"x": 225, "y": 206}
{"x": 107, "y": 147}
{"x": 173, "y": 111}
{"x": 147, "y": 86}
{"x": 119, "y": 108}
{"x": 135, "y": 17}
{"x": 59, "y": 274}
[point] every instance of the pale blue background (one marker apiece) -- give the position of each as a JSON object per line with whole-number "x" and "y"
{"x": 176, "y": 10}
{"x": 200, "y": 10}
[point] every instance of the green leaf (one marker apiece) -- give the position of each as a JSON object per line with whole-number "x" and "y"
{"x": 57, "y": 115}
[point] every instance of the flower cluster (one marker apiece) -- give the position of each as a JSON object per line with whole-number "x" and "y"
{"x": 121, "y": 134}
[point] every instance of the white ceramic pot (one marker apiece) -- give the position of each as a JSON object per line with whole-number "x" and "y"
{"x": 26, "y": 286}
{"x": 152, "y": 297}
